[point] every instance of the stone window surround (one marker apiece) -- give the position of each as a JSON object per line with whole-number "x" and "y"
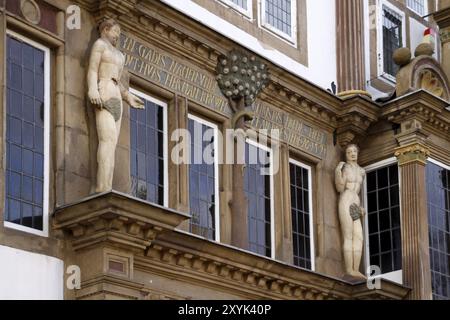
{"x": 311, "y": 209}
{"x": 396, "y": 276}
{"x": 297, "y": 48}
{"x": 292, "y": 39}
{"x": 47, "y": 125}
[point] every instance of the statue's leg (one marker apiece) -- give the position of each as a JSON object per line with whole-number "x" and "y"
{"x": 357, "y": 246}
{"x": 347, "y": 234}
{"x": 107, "y": 140}
{"x": 118, "y": 124}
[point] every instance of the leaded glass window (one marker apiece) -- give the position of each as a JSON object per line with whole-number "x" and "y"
{"x": 147, "y": 151}
{"x": 258, "y": 192}
{"x": 278, "y": 14}
{"x": 26, "y": 130}
{"x": 383, "y": 208}
{"x": 203, "y": 187}
{"x": 392, "y": 39}
{"x": 438, "y": 195}
{"x": 301, "y": 215}
{"x": 417, "y": 6}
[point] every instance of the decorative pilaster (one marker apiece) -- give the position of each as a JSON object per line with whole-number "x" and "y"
{"x": 350, "y": 48}
{"x": 414, "y": 223}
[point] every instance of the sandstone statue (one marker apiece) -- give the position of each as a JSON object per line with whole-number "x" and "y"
{"x": 106, "y": 93}
{"x": 348, "y": 178}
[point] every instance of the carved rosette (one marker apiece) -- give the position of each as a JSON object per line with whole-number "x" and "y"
{"x": 415, "y": 152}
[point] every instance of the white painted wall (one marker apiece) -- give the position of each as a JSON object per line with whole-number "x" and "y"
{"x": 26, "y": 276}
{"x": 321, "y": 39}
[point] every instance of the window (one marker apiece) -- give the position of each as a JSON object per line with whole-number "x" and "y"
{"x": 438, "y": 194}
{"x": 27, "y": 135}
{"x": 392, "y": 39}
{"x": 279, "y": 16}
{"x": 418, "y": 6}
{"x": 203, "y": 179}
{"x": 258, "y": 189}
{"x": 383, "y": 220}
{"x": 149, "y": 167}
{"x": 302, "y": 226}
{"x": 243, "y": 6}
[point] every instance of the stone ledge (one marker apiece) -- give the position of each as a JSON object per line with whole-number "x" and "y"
{"x": 116, "y": 218}
{"x": 195, "y": 260}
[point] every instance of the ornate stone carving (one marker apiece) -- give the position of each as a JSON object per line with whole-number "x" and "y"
{"x": 415, "y": 152}
{"x": 241, "y": 76}
{"x": 430, "y": 82}
{"x": 31, "y": 11}
{"x": 106, "y": 92}
{"x": 422, "y": 72}
{"x": 348, "y": 178}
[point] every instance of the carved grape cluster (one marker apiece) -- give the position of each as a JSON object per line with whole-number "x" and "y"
{"x": 241, "y": 76}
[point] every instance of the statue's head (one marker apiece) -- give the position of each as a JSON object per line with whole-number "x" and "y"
{"x": 351, "y": 152}
{"x": 110, "y": 30}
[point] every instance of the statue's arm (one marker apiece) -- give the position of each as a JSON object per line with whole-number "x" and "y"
{"x": 92, "y": 77}
{"x": 339, "y": 178}
{"x": 131, "y": 99}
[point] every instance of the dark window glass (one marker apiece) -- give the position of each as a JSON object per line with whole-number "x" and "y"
{"x": 278, "y": 15}
{"x": 392, "y": 39}
{"x": 301, "y": 215}
{"x": 257, "y": 189}
{"x": 24, "y": 134}
{"x": 147, "y": 153}
{"x": 438, "y": 194}
{"x": 202, "y": 180}
{"x": 384, "y": 218}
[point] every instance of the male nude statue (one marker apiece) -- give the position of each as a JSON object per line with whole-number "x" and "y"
{"x": 349, "y": 177}
{"x": 106, "y": 93}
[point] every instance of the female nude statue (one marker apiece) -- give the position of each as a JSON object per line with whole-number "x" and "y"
{"x": 106, "y": 93}
{"x": 349, "y": 177}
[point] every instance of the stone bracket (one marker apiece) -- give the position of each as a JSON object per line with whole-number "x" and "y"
{"x": 115, "y": 219}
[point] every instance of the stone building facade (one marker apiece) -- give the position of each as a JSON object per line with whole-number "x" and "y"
{"x": 209, "y": 231}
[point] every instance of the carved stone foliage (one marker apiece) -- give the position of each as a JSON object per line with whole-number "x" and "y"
{"x": 241, "y": 76}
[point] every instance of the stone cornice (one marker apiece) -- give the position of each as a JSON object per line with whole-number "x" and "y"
{"x": 356, "y": 115}
{"x": 117, "y": 219}
{"x": 442, "y": 18}
{"x": 243, "y": 273}
{"x": 422, "y": 106}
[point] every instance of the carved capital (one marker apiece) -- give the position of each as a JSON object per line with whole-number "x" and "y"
{"x": 415, "y": 152}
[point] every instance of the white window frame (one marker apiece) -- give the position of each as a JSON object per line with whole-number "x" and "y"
{"x": 248, "y": 13}
{"x": 290, "y": 39}
{"x": 311, "y": 210}
{"x": 165, "y": 142}
{"x": 382, "y": 75}
{"x": 425, "y": 8}
{"x": 216, "y": 170}
{"x": 396, "y": 276}
{"x": 272, "y": 194}
{"x": 47, "y": 124}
